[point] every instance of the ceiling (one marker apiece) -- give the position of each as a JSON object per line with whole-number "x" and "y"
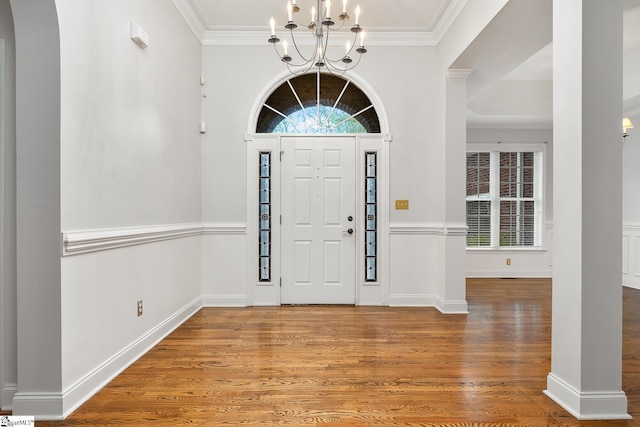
{"x": 489, "y": 102}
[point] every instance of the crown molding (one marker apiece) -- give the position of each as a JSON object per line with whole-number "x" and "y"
{"x": 445, "y": 17}
{"x": 259, "y": 37}
{"x": 192, "y": 16}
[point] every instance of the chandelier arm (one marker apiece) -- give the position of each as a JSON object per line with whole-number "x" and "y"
{"x": 349, "y": 67}
{"x": 300, "y": 70}
{"x": 295, "y": 45}
{"x": 334, "y": 28}
{"x": 275, "y": 48}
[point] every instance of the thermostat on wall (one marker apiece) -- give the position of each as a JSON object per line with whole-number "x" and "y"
{"x": 139, "y": 36}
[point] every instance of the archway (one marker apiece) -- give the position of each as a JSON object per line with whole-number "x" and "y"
{"x": 38, "y": 306}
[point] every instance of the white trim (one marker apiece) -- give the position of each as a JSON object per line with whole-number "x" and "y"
{"x": 255, "y": 36}
{"x": 213, "y": 300}
{"x": 456, "y": 229}
{"x": 79, "y": 242}
{"x": 192, "y": 16}
{"x": 8, "y": 393}
{"x": 259, "y": 36}
{"x": 412, "y": 300}
{"x": 587, "y": 405}
{"x": 446, "y": 17}
{"x": 459, "y": 73}
{"x": 42, "y": 406}
{"x": 631, "y": 227}
{"x": 428, "y": 228}
{"x": 224, "y": 229}
{"x": 7, "y": 389}
{"x": 284, "y": 75}
{"x": 417, "y": 228}
{"x": 631, "y": 254}
{"x": 57, "y": 406}
{"x": 451, "y": 306}
{"x": 510, "y": 273}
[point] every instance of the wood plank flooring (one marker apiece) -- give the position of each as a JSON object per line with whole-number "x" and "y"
{"x": 358, "y": 366}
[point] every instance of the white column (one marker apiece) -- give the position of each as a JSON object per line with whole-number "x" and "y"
{"x": 39, "y": 290}
{"x": 586, "y": 354}
{"x": 451, "y": 296}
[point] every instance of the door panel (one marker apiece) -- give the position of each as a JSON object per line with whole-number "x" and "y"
{"x": 318, "y": 195}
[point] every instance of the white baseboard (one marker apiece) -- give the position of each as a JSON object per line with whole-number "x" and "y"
{"x": 42, "y": 406}
{"x": 587, "y": 406}
{"x": 509, "y": 273}
{"x": 8, "y": 393}
{"x": 224, "y": 301}
{"x": 631, "y": 281}
{"x": 412, "y": 300}
{"x": 56, "y": 406}
{"x": 451, "y": 306}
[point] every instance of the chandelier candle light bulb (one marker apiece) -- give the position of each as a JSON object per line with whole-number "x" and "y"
{"x": 290, "y": 11}
{"x": 357, "y": 13}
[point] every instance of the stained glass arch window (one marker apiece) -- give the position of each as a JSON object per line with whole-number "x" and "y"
{"x": 318, "y": 103}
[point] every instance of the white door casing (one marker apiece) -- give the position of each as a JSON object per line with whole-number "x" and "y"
{"x": 318, "y": 227}
{"x": 261, "y": 292}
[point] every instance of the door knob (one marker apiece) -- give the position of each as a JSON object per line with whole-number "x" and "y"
{"x": 350, "y": 218}
{"x": 349, "y": 231}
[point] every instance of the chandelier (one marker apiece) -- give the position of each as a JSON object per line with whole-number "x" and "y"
{"x": 320, "y": 27}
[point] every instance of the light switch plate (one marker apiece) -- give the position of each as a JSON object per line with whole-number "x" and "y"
{"x": 402, "y": 205}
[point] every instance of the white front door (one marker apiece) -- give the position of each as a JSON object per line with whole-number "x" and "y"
{"x": 318, "y": 207}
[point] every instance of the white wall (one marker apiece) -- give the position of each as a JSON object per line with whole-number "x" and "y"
{"x": 130, "y": 157}
{"x": 524, "y": 262}
{"x": 8, "y": 342}
{"x": 128, "y": 165}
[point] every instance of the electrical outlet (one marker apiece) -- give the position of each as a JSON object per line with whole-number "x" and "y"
{"x": 140, "y": 308}
{"x": 508, "y": 261}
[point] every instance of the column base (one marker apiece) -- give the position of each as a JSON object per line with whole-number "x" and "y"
{"x": 587, "y": 405}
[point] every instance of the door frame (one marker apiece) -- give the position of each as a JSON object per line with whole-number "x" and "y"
{"x": 268, "y": 293}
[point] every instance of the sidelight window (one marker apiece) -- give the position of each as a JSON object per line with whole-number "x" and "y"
{"x": 371, "y": 218}
{"x": 264, "y": 220}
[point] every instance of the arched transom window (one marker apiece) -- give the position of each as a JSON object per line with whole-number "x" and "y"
{"x": 318, "y": 103}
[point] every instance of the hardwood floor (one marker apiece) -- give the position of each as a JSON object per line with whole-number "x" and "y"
{"x": 358, "y": 366}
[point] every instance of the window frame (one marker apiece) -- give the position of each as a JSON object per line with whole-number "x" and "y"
{"x": 539, "y": 196}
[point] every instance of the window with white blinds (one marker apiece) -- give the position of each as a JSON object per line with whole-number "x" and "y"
{"x": 504, "y": 199}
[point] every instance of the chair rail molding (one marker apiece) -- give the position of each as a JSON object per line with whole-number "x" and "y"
{"x": 79, "y": 242}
